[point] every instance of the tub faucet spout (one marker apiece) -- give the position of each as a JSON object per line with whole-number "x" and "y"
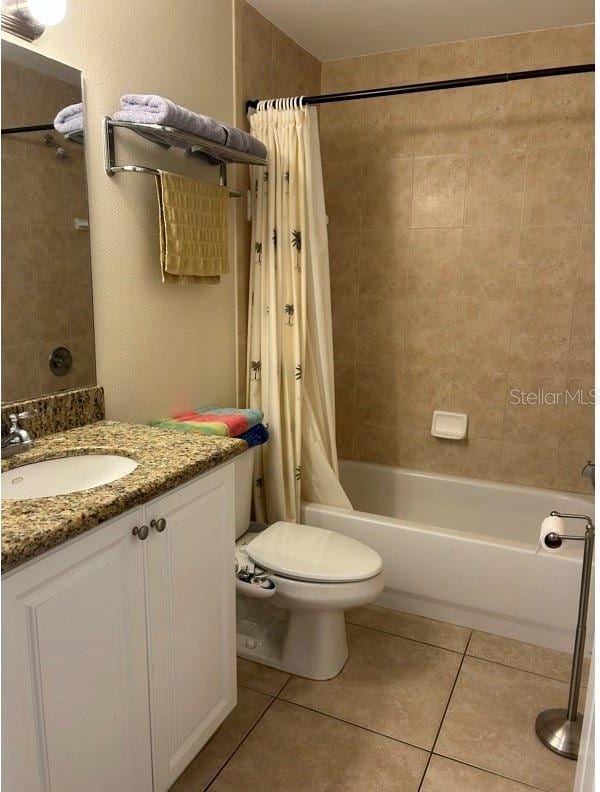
{"x": 589, "y": 471}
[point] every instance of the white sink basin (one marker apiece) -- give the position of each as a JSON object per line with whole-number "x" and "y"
{"x": 63, "y": 475}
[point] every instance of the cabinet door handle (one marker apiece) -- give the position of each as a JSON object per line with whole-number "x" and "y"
{"x": 159, "y": 524}
{"x": 141, "y": 532}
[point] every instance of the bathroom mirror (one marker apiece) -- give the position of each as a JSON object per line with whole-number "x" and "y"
{"x": 47, "y": 316}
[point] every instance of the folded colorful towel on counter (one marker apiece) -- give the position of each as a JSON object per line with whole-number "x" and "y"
{"x": 258, "y": 435}
{"x": 221, "y": 421}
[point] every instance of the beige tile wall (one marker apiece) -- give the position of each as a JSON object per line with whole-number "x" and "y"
{"x": 461, "y": 245}
{"x": 268, "y": 65}
{"x": 46, "y": 273}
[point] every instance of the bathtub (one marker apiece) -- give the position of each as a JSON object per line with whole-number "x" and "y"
{"x": 463, "y": 550}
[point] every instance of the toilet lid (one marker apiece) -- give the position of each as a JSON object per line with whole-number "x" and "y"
{"x": 303, "y": 552}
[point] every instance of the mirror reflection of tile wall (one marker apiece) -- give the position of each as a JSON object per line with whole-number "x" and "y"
{"x": 46, "y": 268}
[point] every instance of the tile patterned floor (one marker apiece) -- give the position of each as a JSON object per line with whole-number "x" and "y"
{"x": 420, "y": 706}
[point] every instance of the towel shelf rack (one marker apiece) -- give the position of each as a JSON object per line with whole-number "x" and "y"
{"x": 167, "y": 137}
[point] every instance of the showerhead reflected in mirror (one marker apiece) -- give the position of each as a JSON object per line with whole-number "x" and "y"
{"x": 46, "y": 268}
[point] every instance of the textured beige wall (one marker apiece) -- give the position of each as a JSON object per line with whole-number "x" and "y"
{"x": 158, "y": 347}
{"x": 268, "y": 64}
{"x": 46, "y": 274}
{"x": 461, "y": 245}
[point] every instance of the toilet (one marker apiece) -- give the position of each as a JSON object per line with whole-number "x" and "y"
{"x": 292, "y": 616}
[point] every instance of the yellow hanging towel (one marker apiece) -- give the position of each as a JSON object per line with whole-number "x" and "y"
{"x": 193, "y": 229}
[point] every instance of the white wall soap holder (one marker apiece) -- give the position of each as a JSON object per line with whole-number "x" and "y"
{"x": 451, "y": 426}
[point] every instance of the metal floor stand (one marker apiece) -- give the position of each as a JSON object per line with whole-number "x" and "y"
{"x": 560, "y": 729}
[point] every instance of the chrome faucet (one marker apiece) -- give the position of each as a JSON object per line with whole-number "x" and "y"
{"x": 16, "y": 439}
{"x": 589, "y": 471}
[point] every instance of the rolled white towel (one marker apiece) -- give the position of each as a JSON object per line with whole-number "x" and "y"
{"x": 69, "y": 119}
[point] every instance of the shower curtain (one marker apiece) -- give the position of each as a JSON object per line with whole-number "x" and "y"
{"x": 290, "y": 345}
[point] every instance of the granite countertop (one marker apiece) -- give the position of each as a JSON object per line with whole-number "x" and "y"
{"x": 165, "y": 460}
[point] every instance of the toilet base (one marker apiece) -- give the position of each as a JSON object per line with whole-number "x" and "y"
{"x": 311, "y": 644}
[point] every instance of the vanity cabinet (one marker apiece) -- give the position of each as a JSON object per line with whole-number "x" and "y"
{"x": 191, "y": 620}
{"x": 118, "y": 652}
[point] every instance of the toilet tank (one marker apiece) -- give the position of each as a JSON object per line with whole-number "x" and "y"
{"x": 244, "y": 474}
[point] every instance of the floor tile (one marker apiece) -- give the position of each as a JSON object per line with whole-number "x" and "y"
{"x": 294, "y": 749}
{"x": 391, "y": 685}
{"x": 260, "y": 677}
{"x": 223, "y": 743}
{"x": 448, "y": 636}
{"x": 444, "y": 775}
{"x": 525, "y": 656}
{"x": 490, "y": 723}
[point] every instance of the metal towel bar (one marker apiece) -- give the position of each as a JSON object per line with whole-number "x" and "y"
{"x": 168, "y": 137}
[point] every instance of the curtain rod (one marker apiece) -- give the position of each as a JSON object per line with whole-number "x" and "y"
{"x": 35, "y": 128}
{"x": 440, "y": 85}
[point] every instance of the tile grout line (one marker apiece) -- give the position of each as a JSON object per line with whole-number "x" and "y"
{"x": 523, "y": 670}
{"x": 461, "y": 651}
{"x": 443, "y": 718}
{"x": 236, "y": 749}
{"x": 491, "y": 772}
{"x": 406, "y": 638}
{"x": 354, "y": 725}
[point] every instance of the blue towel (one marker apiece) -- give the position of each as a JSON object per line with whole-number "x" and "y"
{"x": 258, "y": 435}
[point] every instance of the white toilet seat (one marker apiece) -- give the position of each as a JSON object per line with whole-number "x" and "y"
{"x": 317, "y": 575}
{"x": 315, "y": 555}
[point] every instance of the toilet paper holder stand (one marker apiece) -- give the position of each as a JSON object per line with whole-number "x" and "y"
{"x": 560, "y": 729}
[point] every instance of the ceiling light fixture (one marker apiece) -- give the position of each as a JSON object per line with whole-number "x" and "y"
{"x": 28, "y": 19}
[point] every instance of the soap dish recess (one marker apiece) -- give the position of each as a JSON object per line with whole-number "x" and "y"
{"x": 451, "y": 426}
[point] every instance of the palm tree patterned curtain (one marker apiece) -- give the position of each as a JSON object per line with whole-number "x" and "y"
{"x": 290, "y": 348}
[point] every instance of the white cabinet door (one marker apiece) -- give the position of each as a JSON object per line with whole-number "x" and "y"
{"x": 75, "y": 685}
{"x": 191, "y": 619}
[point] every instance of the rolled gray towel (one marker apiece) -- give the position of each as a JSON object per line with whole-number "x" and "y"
{"x": 70, "y": 119}
{"x": 152, "y": 109}
{"x": 242, "y": 141}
